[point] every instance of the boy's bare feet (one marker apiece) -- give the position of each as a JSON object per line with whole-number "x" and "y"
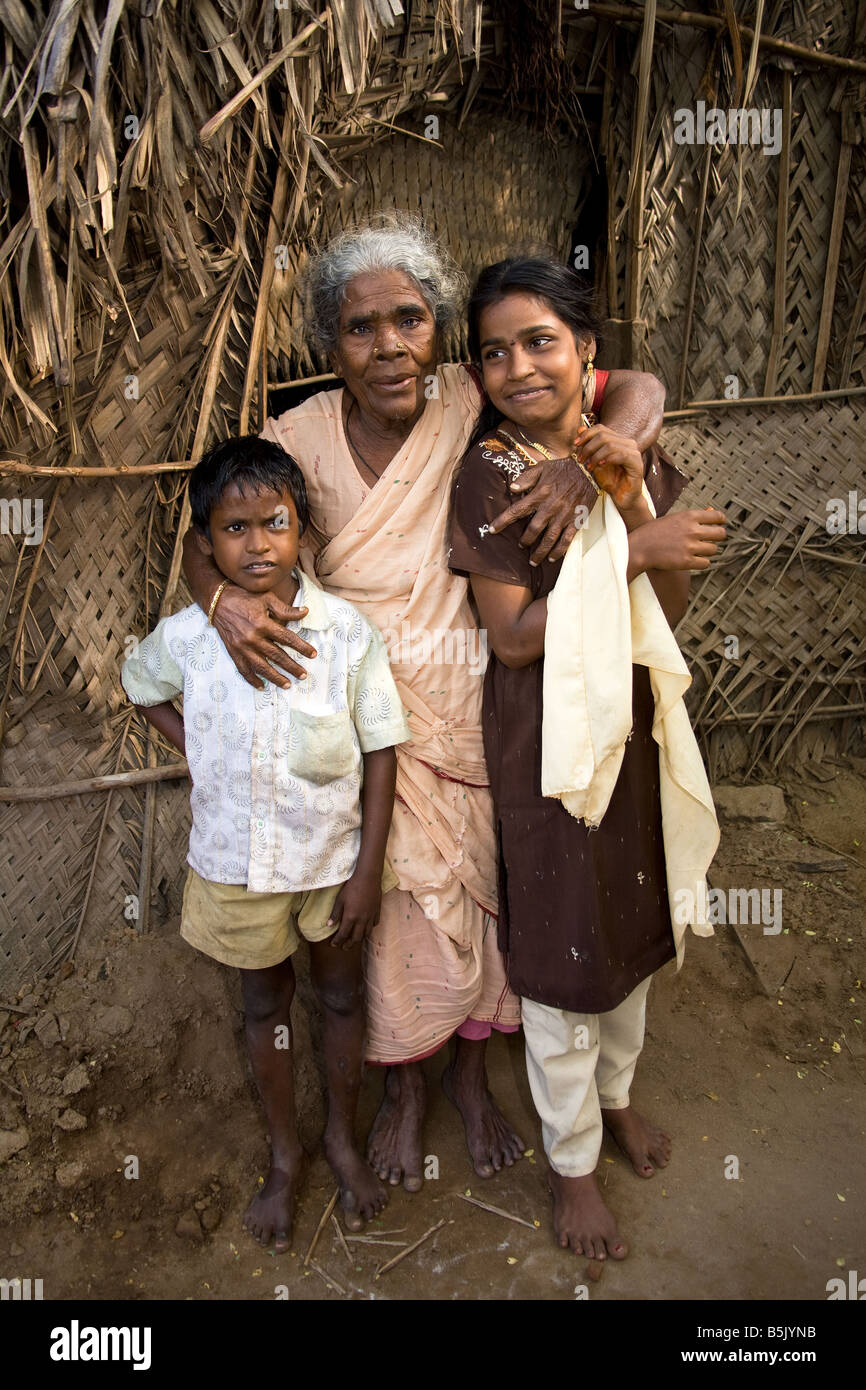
{"x": 394, "y": 1147}
{"x": 362, "y": 1196}
{"x": 270, "y": 1216}
{"x": 643, "y": 1143}
{"x": 581, "y": 1220}
{"x": 491, "y": 1141}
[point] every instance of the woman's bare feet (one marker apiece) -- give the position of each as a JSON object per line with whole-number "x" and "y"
{"x": 581, "y": 1220}
{"x": 362, "y": 1196}
{"x": 491, "y": 1141}
{"x": 643, "y": 1143}
{"x": 394, "y": 1147}
{"x": 270, "y": 1216}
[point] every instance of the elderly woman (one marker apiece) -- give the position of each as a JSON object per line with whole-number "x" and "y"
{"x": 378, "y": 455}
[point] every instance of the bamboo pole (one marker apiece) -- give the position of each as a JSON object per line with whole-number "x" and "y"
{"x": 635, "y": 194}
{"x": 781, "y": 269}
{"x": 135, "y": 777}
{"x": 694, "y": 19}
{"x": 696, "y": 407}
{"x": 693, "y": 277}
{"x": 118, "y": 470}
{"x": 258, "y": 335}
{"x": 828, "y": 298}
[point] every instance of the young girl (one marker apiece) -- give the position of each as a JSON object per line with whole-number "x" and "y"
{"x": 584, "y": 915}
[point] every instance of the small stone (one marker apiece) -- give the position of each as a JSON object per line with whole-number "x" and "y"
{"x": 188, "y": 1225}
{"x": 761, "y": 803}
{"x": 12, "y": 1140}
{"x": 71, "y": 1120}
{"x": 69, "y": 1174}
{"x": 201, "y": 1204}
{"x": 15, "y": 1249}
{"x": 211, "y": 1218}
{"x": 27, "y": 1003}
{"x": 47, "y": 1030}
{"x": 75, "y": 1080}
{"x": 114, "y": 1019}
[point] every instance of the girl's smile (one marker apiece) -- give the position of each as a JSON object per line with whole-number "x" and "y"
{"x": 532, "y": 366}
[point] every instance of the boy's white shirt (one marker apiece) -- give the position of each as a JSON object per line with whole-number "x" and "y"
{"x": 598, "y": 625}
{"x": 276, "y": 773}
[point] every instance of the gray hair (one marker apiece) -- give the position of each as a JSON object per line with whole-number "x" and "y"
{"x": 392, "y": 242}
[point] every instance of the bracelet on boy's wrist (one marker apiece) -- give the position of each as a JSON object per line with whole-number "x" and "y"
{"x": 215, "y": 600}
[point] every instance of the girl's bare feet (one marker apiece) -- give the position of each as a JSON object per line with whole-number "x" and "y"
{"x": 643, "y": 1143}
{"x": 362, "y": 1196}
{"x": 581, "y": 1220}
{"x": 270, "y": 1216}
{"x": 394, "y": 1147}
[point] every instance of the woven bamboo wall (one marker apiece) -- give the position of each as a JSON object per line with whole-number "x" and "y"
{"x": 191, "y": 308}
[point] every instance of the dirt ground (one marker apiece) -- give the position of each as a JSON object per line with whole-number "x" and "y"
{"x": 755, "y": 1062}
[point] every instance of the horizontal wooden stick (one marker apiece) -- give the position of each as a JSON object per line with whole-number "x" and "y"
{"x": 695, "y": 407}
{"x": 695, "y": 19}
{"x": 136, "y": 777}
{"x": 12, "y": 467}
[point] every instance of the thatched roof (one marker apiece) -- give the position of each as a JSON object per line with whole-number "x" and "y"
{"x": 154, "y": 158}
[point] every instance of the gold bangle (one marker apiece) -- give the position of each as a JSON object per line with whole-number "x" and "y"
{"x": 215, "y": 600}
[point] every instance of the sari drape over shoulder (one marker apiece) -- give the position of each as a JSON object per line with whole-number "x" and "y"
{"x": 432, "y": 962}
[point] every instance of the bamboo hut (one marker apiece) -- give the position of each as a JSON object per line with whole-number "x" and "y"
{"x": 164, "y": 172}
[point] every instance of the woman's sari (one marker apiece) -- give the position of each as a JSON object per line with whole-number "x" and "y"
{"x": 432, "y": 961}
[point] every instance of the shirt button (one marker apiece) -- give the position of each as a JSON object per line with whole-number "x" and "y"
{"x": 262, "y": 756}
{"x": 260, "y": 824}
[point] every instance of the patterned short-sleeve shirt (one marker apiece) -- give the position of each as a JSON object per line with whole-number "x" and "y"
{"x": 276, "y": 773}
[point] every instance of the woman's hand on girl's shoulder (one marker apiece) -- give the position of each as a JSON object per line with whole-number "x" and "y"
{"x": 615, "y": 462}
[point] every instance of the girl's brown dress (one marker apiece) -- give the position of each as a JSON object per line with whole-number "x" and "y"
{"x": 583, "y": 915}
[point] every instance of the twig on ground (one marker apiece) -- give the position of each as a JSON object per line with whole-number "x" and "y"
{"x": 325, "y": 1214}
{"x": 497, "y": 1211}
{"x": 341, "y": 1238}
{"x": 383, "y": 1269}
{"x": 329, "y": 1280}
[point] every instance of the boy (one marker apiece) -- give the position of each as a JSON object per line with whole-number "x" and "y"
{"x": 283, "y": 838}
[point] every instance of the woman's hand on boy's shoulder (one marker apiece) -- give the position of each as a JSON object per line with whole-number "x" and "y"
{"x": 356, "y": 908}
{"x": 252, "y": 626}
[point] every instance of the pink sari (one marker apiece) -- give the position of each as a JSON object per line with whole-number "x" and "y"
{"x": 432, "y": 965}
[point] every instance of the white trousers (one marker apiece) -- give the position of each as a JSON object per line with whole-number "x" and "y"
{"x": 577, "y": 1065}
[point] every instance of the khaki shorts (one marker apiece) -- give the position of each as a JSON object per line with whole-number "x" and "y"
{"x": 254, "y": 931}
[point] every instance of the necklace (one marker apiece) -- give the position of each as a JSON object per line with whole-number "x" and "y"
{"x": 545, "y": 453}
{"x": 354, "y": 446}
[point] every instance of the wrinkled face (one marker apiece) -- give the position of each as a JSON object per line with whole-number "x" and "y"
{"x": 254, "y": 538}
{"x": 387, "y": 345}
{"x": 531, "y": 364}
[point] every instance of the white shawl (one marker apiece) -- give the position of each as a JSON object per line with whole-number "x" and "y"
{"x": 598, "y": 625}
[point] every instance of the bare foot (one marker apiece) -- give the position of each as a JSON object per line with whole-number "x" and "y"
{"x": 639, "y": 1140}
{"x": 394, "y": 1147}
{"x": 581, "y": 1221}
{"x": 362, "y": 1196}
{"x": 491, "y": 1141}
{"x": 270, "y": 1216}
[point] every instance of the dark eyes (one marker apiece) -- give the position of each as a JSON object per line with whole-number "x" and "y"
{"x": 274, "y": 523}
{"x": 541, "y": 340}
{"x": 412, "y": 322}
